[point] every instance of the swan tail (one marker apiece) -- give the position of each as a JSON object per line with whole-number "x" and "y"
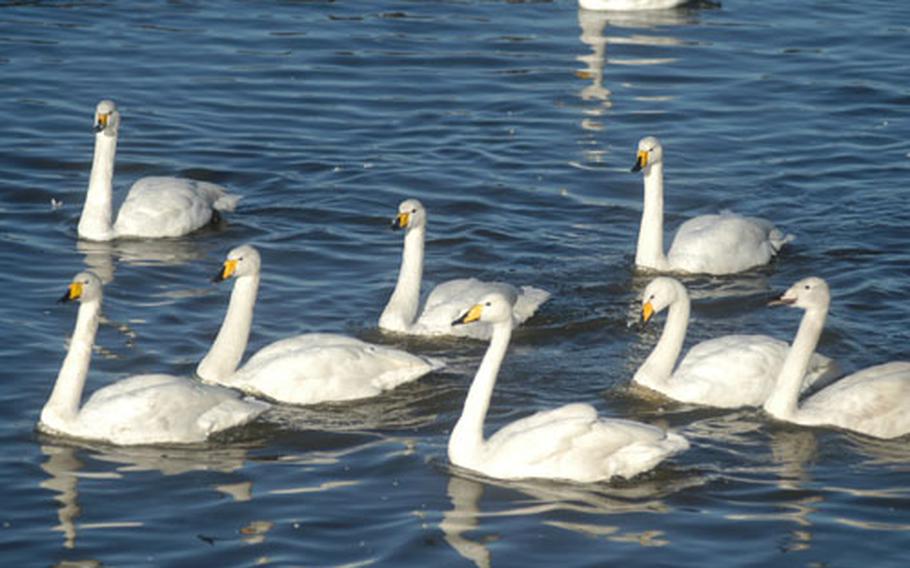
{"x": 528, "y": 301}
{"x": 645, "y": 455}
{"x": 779, "y": 239}
{"x": 231, "y": 412}
{"x": 218, "y": 196}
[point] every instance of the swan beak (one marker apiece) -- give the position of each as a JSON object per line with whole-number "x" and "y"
{"x": 228, "y": 270}
{"x": 469, "y": 316}
{"x": 647, "y": 311}
{"x": 783, "y": 301}
{"x": 101, "y": 122}
{"x": 641, "y": 161}
{"x": 73, "y": 292}
{"x": 401, "y": 221}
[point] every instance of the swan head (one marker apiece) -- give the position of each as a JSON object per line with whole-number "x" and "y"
{"x": 650, "y": 152}
{"x": 411, "y": 215}
{"x": 85, "y": 287}
{"x": 808, "y": 294}
{"x": 241, "y": 261}
{"x": 107, "y": 118}
{"x": 492, "y": 308}
{"x": 660, "y": 293}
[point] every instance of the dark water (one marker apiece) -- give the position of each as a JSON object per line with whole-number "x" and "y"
{"x": 515, "y": 123}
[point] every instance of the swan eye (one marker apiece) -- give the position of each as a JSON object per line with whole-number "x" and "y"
{"x": 488, "y": 304}
{"x": 808, "y": 287}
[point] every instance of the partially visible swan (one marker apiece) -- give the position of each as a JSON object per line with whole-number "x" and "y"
{"x": 305, "y": 369}
{"x": 448, "y": 300}
{"x": 155, "y": 206}
{"x": 569, "y": 442}
{"x": 728, "y": 371}
{"x": 725, "y": 243}
{"x": 874, "y": 401}
{"x": 630, "y": 4}
{"x": 142, "y": 409}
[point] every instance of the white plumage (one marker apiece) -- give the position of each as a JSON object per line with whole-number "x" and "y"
{"x": 568, "y": 443}
{"x": 142, "y": 409}
{"x": 728, "y": 371}
{"x": 623, "y": 5}
{"x": 155, "y": 207}
{"x": 725, "y": 243}
{"x": 874, "y": 401}
{"x": 305, "y": 369}
{"x": 448, "y": 300}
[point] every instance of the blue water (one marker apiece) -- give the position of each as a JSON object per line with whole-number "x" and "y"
{"x": 515, "y": 123}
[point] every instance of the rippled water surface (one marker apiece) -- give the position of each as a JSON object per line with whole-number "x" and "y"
{"x": 515, "y": 123}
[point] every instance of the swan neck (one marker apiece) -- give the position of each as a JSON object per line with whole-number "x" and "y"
{"x": 401, "y": 310}
{"x": 658, "y": 367}
{"x": 95, "y": 222}
{"x": 783, "y": 400}
{"x": 649, "y": 252}
{"x": 227, "y": 350}
{"x": 62, "y": 408}
{"x": 466, "y": 441}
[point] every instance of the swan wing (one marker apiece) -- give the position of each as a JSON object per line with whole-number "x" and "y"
{"x": 310, "y": 370}
{"x": 873, "y": 401}
{"x": 154, "y": 409}
{"x": 170, "y": 207}
{"x": 571, "y": 442}
{"x": 724, "y": 243}
{"x": 738, "y": 370}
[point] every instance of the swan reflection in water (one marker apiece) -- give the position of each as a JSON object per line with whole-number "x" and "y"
{"x": 541, "y": 497}
{"x": 65, "y": 467}
{"x": 102, "y": 257}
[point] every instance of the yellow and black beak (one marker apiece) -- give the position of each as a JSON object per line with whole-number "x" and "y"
{"x": 401, "y": 221}
{"x": 227, "y": 270}
{"x": 647, "y": 311}
{"x": 101, "y": 121}
{"x": 73, "y": 292}
{"x": 469, "y": 316}
{"x": 641, "y": 162}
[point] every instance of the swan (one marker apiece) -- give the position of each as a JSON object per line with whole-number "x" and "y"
{"x": 728, "y": 372}
{"x": 568, "y": 443}
{"x": 874, "y": 401}
{"x": 155, "y": 206}
{"x": 725, "y": 243}
{"x": 622, "y": 5}
{"x": 305, "y": 369}
{"x": 142, "y": 409}
{"x": 447, "y": 300}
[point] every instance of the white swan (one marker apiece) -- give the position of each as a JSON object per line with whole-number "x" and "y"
{"x": 142, "y": 409}
{"x": 305, "y": 369}
{"x": 728, "y": 371}
{"x": 155, "y": 206}
{"x": 448, "y": 300}
{"x": 874, "y": 401}
{"x": 725, "y": 243}
{"x": 569, "y": 442}
{"x": 623, "y": 5}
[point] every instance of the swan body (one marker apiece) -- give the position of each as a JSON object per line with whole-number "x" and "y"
{"x": 448, "y": 300}
{"x": 874, "y": 401}
{"x": 729, "y": 371}
{"x": 567, "y": 443}
{"x": 155, "y": 207}
{"x": 305, "y": 369}
{"x": 725, "y": 243}
{"x": 142, "y": 409}
{"x": 623, "y": 5}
